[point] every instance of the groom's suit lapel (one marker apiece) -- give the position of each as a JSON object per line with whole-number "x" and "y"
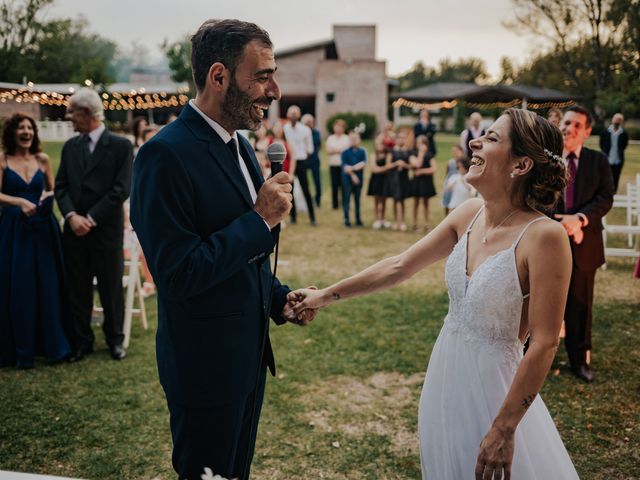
{"x": 219, "y": 151}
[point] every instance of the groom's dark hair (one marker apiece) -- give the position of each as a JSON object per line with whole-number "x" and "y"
{"x": 222, "y": 41}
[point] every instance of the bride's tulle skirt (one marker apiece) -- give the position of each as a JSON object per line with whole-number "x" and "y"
{"x": 465, "y": 385}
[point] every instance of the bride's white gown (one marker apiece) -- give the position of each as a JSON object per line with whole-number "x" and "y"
{"x": 470, "y": 372}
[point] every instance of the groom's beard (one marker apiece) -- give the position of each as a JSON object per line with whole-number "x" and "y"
{"x": 237, "y": 106}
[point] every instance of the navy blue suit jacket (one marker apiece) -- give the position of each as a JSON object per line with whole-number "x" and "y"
{"x": 208, "y": 252}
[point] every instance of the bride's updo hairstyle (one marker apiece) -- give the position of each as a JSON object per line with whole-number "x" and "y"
{"x": 534, "y": 137}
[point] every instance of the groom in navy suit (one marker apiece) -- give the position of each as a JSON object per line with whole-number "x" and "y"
{"x": 205, "y": 218}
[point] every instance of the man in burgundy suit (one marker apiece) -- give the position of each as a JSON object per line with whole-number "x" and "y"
{"x": 587, "y": 198}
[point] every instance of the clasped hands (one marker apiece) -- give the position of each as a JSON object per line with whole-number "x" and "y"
{"x": 303, "y": 304}
{"x": 573, "y": 225}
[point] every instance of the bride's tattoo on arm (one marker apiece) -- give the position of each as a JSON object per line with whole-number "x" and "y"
{"x": 335, "y": 295}
{"x": 528, "y": 400}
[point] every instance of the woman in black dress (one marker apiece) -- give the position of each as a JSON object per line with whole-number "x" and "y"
{"x": 398, "y": 185}
{"x": 424, "y": 167}
{"x": 379, "y": 170}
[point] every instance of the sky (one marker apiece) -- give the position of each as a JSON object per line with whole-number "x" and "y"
{"x": 407, "y": 30}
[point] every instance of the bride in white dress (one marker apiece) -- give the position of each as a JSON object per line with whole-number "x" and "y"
{"x": 508, "y": 273}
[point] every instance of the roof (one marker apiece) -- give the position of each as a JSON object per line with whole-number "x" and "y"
{"x": 328, "y": 45}
{"x": 448, "y": 91}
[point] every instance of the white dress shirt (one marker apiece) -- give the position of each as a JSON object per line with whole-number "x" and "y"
{"x": 300, "y": 140}
{"x": 94, "y": 136}
{"x": 226, "y": 137}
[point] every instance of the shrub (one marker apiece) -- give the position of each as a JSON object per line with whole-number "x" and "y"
{"x": 356, "y": 120}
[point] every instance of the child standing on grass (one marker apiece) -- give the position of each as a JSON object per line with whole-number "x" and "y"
{"x": 353, "y": 160}
{"x": 424, "y": 165}
{"x": 398, "y": 185}
{"x": 379, "y": 170}
{"x": 460, "y": 190}
{"x": 452, "y": 168}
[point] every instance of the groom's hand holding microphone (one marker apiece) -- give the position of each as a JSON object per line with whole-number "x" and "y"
{"x": 273, "y": 203}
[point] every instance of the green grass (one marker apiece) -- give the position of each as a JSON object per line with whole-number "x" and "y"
{"x": 344, "y": 404}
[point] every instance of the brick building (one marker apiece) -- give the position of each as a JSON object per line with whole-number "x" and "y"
{"x": 334, "y": 76}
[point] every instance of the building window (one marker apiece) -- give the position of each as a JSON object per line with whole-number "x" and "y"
{"x": 330, "y": 97}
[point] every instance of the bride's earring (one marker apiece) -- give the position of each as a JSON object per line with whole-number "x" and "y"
{"x": 512, "y": 175}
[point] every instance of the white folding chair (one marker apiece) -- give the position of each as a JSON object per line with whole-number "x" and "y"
{"x": 133, "y": 286}
{"x": 631, "y": 228}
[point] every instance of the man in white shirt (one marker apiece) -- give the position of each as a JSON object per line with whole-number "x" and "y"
{"x": 207, "y": 222}
{"x": 300, "y": 140}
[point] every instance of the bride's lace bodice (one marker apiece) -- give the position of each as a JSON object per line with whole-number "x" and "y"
{"x": 487, "y": 307}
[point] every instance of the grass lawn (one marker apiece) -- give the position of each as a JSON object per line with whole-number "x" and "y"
{"x": 344, "y": 404}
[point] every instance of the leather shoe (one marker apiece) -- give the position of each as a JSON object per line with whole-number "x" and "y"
{"x": 79, "y": 354}
{"x": 117, "y": 352}
{"x": 583, "y": 372}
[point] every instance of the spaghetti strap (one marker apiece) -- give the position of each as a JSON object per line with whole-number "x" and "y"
{"x": 522, "y": 232}
{"x": 475, "y": 217}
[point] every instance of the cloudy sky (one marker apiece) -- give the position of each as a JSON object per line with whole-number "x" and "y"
{"x": 408, "y": 30}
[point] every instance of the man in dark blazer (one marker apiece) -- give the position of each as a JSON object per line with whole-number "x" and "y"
{"x": 426, "y": 128}
{"x": 92, "y": 183}
{"x": 587, "y": 198}
{"x": 207, "y": 221}
{"x": 613, "y": 142}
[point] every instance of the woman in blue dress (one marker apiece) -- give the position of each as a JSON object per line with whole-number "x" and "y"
{"x": 31, "y": 268}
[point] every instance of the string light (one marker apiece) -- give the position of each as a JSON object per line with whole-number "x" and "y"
{"x": 403, "y": 102}
{"x": 133, "y": 100}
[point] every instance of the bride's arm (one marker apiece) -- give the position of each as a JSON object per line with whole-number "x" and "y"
{"x": 548, "y": 256}
{"x": 394, "y": 270}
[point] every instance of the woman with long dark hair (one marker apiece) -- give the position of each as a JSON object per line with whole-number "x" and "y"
{"x": 31, "y": 268}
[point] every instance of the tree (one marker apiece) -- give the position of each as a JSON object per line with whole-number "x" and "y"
{"x": 508, "y": 71}
{"x": 468, "y": 70}
{"x": 179, "y": 55}
{"x": 59, "y": 50}
{"x": 66, "y": 52}
{"x": 589, "y": 42}
{"x": 19, "y": 31}
{"x": 463, "y": 70}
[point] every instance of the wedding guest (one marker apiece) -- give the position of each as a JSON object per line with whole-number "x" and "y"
{"x": 388, "y": 135}
{"x": 424, "y": 167}
{"x": 587, "y": 198}
{"x": 261, "y": 142}
{"x": 32, "y": 312}
{"x": 149, "y": 132}
{"x": 354, "y": 160}
{"x": 457, "y": 153}
{"x": 473, "y": 131}
{"x": 314, "y": 158}
{"x": 458, "y": 188}
{"x": 138, "y": 126}
{"x": 93, "y": 181}
{"x": 427, "y": 128}
{"x": 613, "y": 143}
{"x": 379, "y": 170}
{"x": 300, "y": 139}
{"x": 337, "y": 143}
{"x": 398, "y": 185}
{"x": 289, "y": 165}
{"x": 554, "y": 115}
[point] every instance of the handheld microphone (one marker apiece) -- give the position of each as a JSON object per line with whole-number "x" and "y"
{"x": 276, "y": 153}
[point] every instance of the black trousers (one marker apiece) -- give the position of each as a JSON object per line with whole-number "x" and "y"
{"x": 107, "y": 265}
{"x": 616, "y": 170}
{"x": 336, "y": 185}
{"x": 222, "y": 438}
{"x": 578, "y": 316}
{"x": 314, "y": 166}
{"x": 301, "y": 173}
